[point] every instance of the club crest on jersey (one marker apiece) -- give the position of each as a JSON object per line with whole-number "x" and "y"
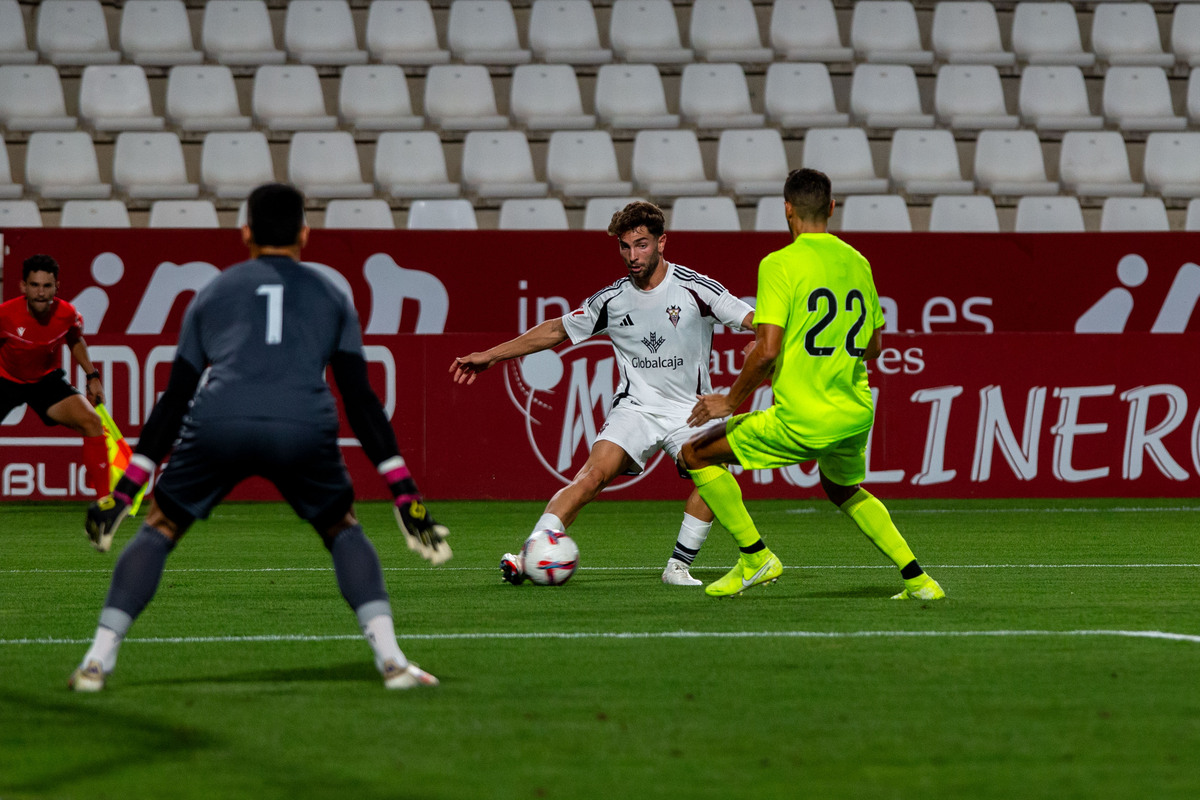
{"x": 20, "y": 331}
{"x": 653, "y": 342}
{"x": 673, "y": 315}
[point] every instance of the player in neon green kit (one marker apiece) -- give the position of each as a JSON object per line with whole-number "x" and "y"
{"x": 817, "y": 322}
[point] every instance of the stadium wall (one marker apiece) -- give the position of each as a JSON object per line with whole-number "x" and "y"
{"x": 1035, "y": 365}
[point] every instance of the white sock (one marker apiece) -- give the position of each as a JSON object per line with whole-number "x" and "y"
{"x": 380, "y": 633}
{"x": 549, "y": 522}
{"x": 104, "y": 649}
{"x": 692, "y": 533}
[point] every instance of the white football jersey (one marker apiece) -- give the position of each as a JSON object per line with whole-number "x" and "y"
{"x": 662, "y": 337}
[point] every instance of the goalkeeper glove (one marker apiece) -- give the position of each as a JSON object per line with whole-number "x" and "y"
{"x": 103, "y": 518}
{"x": 422, "y": 533}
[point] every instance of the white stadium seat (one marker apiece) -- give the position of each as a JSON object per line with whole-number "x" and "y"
{"x": 1011, "y": 164}
{"x": 704, "y": 214}
{"x": 717, "y": 96}
{"x": 632, "y": 96}
{"x": 460, "y": 97}
{"x": 584, "y": 164}
{"x": 565, "y": 32}
{"x": 971, "y": 97}
{"x": 150, "y": 166}
{"x": 1127, "y": 34}
{"x": 157, "y": 33}
{"x": 769, "y": 214}
{"x": 546, "y": 97}
{"x": 403, "y": 32}
{"x": 117, "y": 98}
{"x": 321, "y": 32}
{"x": 31, "y": 99}
{"x": 807, "y": 30}
{"x": 20, "y": 214}
{"x": 1139, "y": 99}
{"x": 727, "y": 30}
{"x": 647, "y": 31}
{"x": 73, "y": 33}
{"x": 1172, "y": 164}
{"x": 1054, "y": 98}
{"x": 976, "y": 213}
{"x": 1096, "y": 164}
{"x": 239, "y": 33}
{"x": 925, "y": 162}
{"x": 204, "y": 98}
{"x": 667, "y": 163}
{"x": 801, "y": 96}
{"x": 752, "y": 162}
{"x": 844, "y": 154}
{"x": 412, "y": 165}
{"x": 1192, "y": 223}
{"x": 1193, "y": 96}
{"x": 374, "y": 97}
{"x": 1049, "y": 215}
{"x": 289, "y": 98}
{"x": 183, "y": 214}
{"x": 484, "y": 32}
{"x": 370, "y": 214}
{"x": 886, "y": 96}
{"x": 1134, "y": 214}
{"x": 1048, "y": 33}
{"x": 968, "y": 33}
{"x": 1185, "y": 34}
{"x": 8, "y": 189}
{"x": 14, "y": 47}
{"x": 499, "y": 164}
{"x": 442, "y": 215}
{"x": 94, "y": 214}
{"x": 533, "y": 214}
{"x": 232, "y": 164}
{"x": 874, "y": 212}
{"x": 885, "y": 31}
{"x": 599, "y": 211}
{"x": 63, "y": 166}
{"x": 325, "y": 165}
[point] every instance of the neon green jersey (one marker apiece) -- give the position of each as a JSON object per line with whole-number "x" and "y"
{"x": 820, "y": 291}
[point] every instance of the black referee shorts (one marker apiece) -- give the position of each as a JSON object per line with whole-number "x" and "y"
{"x": 212, "y": 457}
{"x": 51, "y": 389}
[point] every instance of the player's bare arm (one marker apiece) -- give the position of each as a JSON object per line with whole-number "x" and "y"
{"x": 548, "y": 334}
{"x": 875, "y": 346}
{"x": 760, "y": 361}
{"x": 95, "y": 389}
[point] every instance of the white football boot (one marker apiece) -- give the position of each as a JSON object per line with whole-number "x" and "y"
{"x": 676, "y": 574}
{"x": 409, "y": 676}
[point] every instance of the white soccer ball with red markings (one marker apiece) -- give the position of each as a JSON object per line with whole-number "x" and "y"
{"x": 550, "y": 557}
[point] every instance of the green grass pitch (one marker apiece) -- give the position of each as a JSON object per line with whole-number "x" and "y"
{"x": 1064, "y": 664}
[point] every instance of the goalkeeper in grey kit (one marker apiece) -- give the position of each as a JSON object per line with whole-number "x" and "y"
{"x": 265, "y": 329}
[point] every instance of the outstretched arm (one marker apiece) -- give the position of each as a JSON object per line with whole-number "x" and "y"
{"x": 550, "y": 333}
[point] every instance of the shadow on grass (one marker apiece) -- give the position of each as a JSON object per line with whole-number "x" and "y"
{"x": 352, "y": 672}
{"x": 858, "y": 592}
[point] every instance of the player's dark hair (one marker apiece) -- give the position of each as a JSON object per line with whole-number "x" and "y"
{"x": 39, "y": 263}
{"x": 810, "y": 192}
{"x": 275, "y": 214}
{"x": 638, "y": 215}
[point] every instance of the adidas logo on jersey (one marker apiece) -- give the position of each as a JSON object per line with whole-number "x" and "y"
{"x": 625, "y": 323}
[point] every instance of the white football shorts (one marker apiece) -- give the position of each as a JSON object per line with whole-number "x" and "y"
{"x": 641, "y": 433}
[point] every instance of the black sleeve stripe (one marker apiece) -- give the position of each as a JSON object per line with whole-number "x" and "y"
{"x": 614, "y": 287}
{"x": 602, "y": 317}
{"x": 685, "y": 274}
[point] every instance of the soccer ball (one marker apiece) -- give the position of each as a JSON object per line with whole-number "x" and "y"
{"x": 550, "y": 557}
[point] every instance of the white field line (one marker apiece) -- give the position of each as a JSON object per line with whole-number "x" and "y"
{"x": 108, "y": 570}
{"x": 601, "y": 635}
{"x": 1088, "y": 510}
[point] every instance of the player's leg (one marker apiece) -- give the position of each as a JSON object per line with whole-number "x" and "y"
{"x": 65, "y": 406}
{"x": 842, "y": 470}
{"x": 134, "y": 583}
{"x": 693, "y": 530}
{"x": 307, "y": 468}
{"x": 703, "y": 456}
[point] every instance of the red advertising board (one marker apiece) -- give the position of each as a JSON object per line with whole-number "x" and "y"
{"x": 995, "y": 381}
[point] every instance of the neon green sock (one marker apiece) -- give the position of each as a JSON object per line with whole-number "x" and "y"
{"x": 873, "y": 519}
{"x": 720, "y": 490}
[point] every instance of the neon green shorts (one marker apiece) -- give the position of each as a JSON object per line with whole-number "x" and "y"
{"x": 761, "y": 441}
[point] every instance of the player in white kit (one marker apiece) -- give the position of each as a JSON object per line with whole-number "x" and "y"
{"x": 660, "y": 319}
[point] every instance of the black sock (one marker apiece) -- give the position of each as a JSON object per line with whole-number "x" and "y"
{"x": 356, "y": 564}
{"x": 911, "y": 570}
{"x": 753, "y": 548}
{"x": 138, "y": 571}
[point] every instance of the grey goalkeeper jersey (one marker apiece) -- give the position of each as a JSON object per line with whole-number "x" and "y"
{"x": 268, "y": 328}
